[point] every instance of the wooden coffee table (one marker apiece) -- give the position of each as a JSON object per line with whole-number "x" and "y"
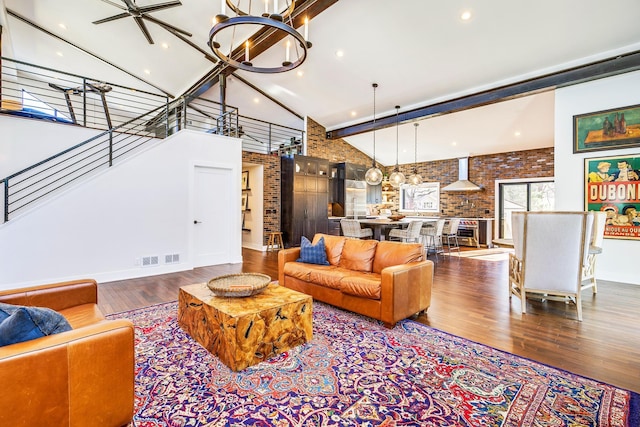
{"x": 245, "y": 331}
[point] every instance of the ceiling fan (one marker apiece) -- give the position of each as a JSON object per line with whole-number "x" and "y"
{"x": 141, "y": 13}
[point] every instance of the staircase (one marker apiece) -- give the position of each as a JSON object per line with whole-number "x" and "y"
{"x": 129, "y": 119}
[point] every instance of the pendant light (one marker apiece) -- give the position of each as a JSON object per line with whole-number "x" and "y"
{"x": 397, "y": 178}
{"x": 415, "y": 178}
{"x": 373, "y": 176}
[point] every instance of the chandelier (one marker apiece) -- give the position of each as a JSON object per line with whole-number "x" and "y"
{"x": 415, "y": 178}
{"x": 227, "y": 32}
{"x": 373, "y": 176}
{"x": 397, "y": 178}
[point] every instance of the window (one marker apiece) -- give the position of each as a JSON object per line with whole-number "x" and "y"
{"x": 421, "y": 198}
{"x": 30, "y": 102}
{"x": 523, "y": 196}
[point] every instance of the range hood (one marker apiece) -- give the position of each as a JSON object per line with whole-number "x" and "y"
{"x": 463, "y": 183}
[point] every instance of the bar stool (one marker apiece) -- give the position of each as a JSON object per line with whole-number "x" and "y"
{"x": 275, "y": 238}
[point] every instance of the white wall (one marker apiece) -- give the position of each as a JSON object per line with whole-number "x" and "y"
{"x": 102, "y": 227}
{"x": 616, "y": 261}
{"x": 24, "y": 142}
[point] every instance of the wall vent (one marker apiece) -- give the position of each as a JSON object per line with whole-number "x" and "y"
{"x": 172, "y": 258}
{"x": 149, "y": 261}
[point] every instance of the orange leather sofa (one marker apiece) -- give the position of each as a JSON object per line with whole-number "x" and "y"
{"x": 80, "y": 378}
{"x": 388, "y": 281}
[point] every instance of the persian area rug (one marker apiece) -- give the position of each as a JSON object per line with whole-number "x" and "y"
{"x": 355, "y": 372}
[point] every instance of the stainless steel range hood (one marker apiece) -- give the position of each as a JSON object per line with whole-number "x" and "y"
{"x": 463, "y": 183}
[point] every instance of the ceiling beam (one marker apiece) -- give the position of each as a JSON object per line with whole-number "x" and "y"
{"x": 597, "y": 70}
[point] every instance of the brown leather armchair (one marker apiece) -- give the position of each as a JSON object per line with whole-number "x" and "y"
{"x": 83, "y": 377}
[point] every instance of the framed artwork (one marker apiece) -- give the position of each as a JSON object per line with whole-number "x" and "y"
{"x": 607, "y": 130}
{"x": 245, "y": 180}
{"x": 245, "y": 201}
{"x": 420, "y": 198}
{"x": 612, "y": 185}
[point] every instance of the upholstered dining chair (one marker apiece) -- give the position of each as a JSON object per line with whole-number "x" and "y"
{"x": 409, "y": 234}
{"x": 433, "y": 237}
{"x": 595, "y": 248}
{"x": 351, "y": 228}
{"x": 550, "y": 251}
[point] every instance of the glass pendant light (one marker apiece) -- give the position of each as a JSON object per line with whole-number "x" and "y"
{"x": 397, "y": 178}
{"x": 415, "y": 178}
{"x": 373, "y": 176}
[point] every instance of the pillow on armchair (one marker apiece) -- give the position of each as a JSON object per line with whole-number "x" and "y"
{"x": 313, "y": 254}
{"x": 18, "y": 323}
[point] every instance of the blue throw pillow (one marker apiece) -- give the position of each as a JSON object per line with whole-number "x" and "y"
{"x": 313, "y": 254}
{"x": 18, "y": 324}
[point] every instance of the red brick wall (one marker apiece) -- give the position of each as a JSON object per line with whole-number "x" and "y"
{"x": 483, "y": 170}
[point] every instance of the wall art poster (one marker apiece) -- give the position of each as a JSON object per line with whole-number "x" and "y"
{"x": 613, "y": 186}
{"x": 606, "y": 130}
{"x": 420, "y": 198}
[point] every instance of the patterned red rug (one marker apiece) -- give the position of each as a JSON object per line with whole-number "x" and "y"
{"x": 357, "y": 373}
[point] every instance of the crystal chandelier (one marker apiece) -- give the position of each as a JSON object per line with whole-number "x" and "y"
{"x": 222, "y": 37}
{"x": 373, "y": 176}
{"x": 415, "y": 178}
{"x": 397, "y": 178}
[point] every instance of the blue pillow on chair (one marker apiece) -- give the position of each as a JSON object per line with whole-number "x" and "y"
{"x": 18, "y": 323}
{"x": 313, "y": 254}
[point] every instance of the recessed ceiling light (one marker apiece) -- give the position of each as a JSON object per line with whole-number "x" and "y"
{"x": 59, "y": 53}
{"x": 454, "y": 143}
{"x": 466, "y": 15}
{"x": 64, "y": 27}
{"x": 300, "y": 73}
{"x": 256, "y": 100}
{"x": 147, "y": 72}
{"x": 165, "y": 45}
{"x": 517, "y": 133}
{"x": 339, "y": 54}
{"x": 353, "y": 114}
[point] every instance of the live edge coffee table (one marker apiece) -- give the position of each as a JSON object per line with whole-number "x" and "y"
{"x": 245, "y": 331}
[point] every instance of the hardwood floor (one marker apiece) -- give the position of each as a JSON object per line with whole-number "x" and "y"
{"x": 470, "y": 299}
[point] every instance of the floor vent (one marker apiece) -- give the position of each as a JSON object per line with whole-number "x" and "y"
{"x": 148, "y": 261}
{"x": 172, "y": 258}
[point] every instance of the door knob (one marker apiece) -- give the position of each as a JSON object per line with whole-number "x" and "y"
{"x": 195, "y": 221}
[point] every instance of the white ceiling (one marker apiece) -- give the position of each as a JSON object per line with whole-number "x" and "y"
{"x": 419, "y": 52}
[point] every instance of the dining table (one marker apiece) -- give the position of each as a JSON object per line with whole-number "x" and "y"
{"x": 382, "y": 226}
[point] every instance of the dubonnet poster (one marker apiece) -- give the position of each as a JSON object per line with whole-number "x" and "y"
{"x": 613, "y": 186}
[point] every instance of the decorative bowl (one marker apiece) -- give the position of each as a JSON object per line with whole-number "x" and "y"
{"x": 396, "y": 217}
{"x": 239, "y": 285}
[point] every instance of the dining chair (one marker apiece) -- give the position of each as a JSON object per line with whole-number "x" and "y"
{"x": 550, "y": 252}
{"x": 351, "y": 228}
{"x": 595, "y": 248}
{"x": 433, "y": 238}
{"x": 409, "y": 234}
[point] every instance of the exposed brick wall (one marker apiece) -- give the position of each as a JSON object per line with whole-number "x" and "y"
{"x": 335, "y": 151}
{"x": 483, "y": 170}
{"x": 271, "y": 190}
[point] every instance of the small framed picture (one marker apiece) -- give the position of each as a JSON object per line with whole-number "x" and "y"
{"x": 245, "y": 180}
{"x": 245, "y": 201}
{"x": 607, "y": 130}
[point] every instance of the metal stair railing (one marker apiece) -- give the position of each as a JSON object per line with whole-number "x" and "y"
{"x": 35, "y": 182}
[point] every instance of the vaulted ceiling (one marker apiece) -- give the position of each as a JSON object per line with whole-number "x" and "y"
{"x": 419, "y": 52}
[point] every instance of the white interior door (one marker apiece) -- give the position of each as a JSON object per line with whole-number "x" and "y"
{"x": 213, "y": 226}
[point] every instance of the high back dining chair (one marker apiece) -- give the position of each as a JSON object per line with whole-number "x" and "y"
{"x": 351, "y": 228}
{"x": 409, "y": 234}
{"x": 550, "y": 251}
{"x": 595, "y": 248}
{"x": 433, "y": 237}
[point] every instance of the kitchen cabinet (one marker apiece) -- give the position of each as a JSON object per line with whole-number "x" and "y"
{"x": 304, "y": 196}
